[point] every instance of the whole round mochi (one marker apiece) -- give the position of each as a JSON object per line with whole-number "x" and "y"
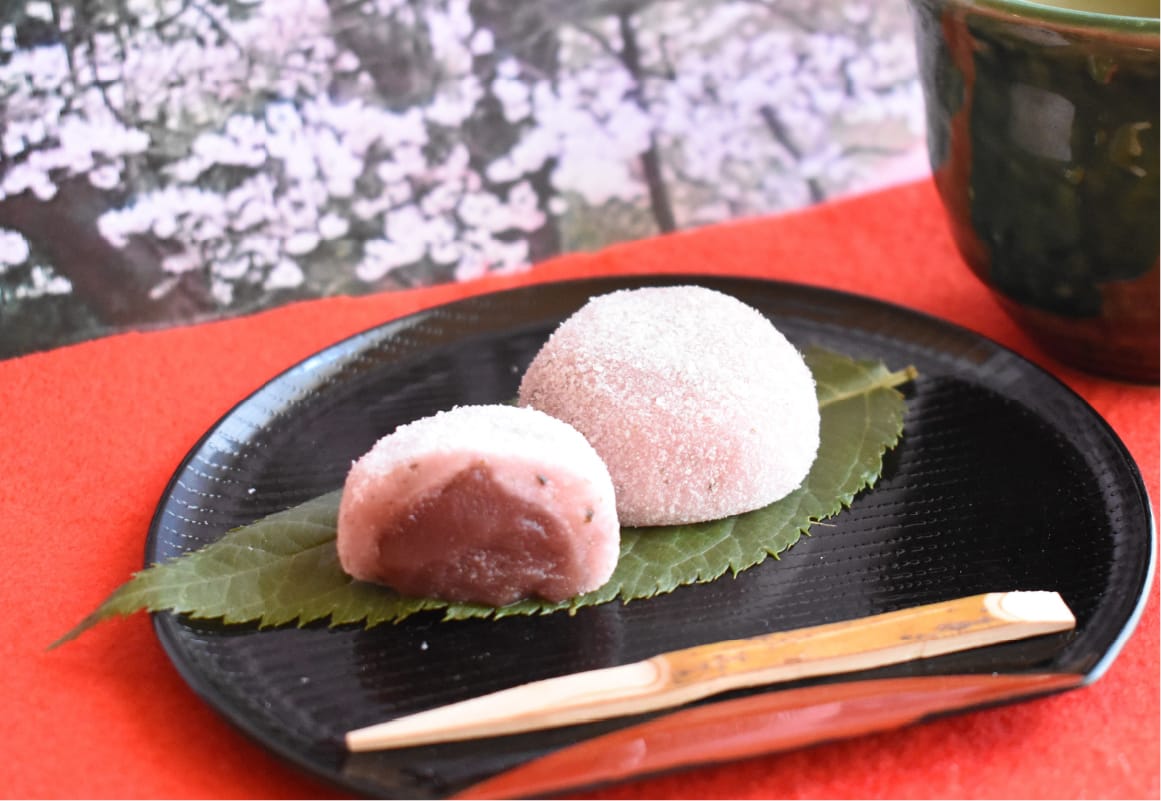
{"x": 487, "y": 504}
{"x": 699, "y": 406}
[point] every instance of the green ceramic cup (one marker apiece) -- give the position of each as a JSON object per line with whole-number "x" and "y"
{"x": 1042, "y": 124}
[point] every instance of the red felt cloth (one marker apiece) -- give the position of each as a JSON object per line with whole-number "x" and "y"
{"x": 92, "y": 433}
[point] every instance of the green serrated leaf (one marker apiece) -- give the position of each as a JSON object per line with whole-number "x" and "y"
{"x": 284, "y": 568}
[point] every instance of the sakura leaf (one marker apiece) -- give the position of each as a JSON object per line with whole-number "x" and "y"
{"x": 284, "y": 568}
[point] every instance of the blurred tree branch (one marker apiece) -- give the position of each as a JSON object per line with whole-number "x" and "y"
{"x": 782, "y": 135}
{"x": 659, "y": 199}
{"x": 118, "y": 284}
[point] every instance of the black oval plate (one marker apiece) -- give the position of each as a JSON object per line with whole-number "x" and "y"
{"x": 1004, "y": 480}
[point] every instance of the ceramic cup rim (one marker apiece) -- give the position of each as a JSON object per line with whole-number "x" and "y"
{"x": 1069, "y": 17}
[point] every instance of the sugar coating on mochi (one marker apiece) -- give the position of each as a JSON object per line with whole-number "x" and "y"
{"x": 487, "y": 504}
{"x": 699, "y": 406}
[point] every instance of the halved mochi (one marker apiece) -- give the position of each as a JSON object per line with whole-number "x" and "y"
{"x": 488, "y": 504}
{"x": 699, "y": 406}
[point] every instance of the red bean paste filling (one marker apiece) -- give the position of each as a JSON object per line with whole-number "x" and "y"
{"x": 470, "y": 540}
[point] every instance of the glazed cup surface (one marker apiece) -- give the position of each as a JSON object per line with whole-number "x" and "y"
{"x": 1043, "y": 137}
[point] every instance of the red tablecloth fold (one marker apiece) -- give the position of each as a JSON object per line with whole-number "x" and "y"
{"x": 92, "y": 433}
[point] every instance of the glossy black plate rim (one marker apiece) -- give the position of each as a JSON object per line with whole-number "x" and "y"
{"x": 167, "y": 625}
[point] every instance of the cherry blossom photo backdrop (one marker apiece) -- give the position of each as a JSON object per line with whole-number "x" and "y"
{"x": 166, "y": 161}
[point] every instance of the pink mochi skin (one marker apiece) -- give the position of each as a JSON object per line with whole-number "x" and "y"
{"x": 487, "y": 504}
{"x": 698, "y": 405}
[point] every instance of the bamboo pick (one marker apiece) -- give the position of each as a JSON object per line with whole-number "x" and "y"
{"x": 690, "y": 674}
